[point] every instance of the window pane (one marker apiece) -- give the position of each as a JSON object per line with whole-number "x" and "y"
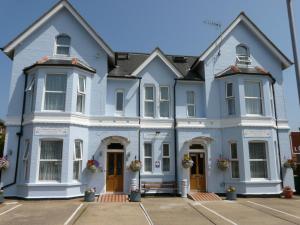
{"x": 148, "y": 164}
{"x": 234, "y": 151}
{"x": 164, "y": 109}
{"x": 80, "y": 103}
{"x": 166, "y": 164}
{"x": 148, "y": 150}
{"x": 253, "y": 106}
{"x": 76, "y": 170}
{"x": 149, "y": 95}
{"x": 235, "y": 169}
{"x": 62, "y": 50}
{"x": 56, "y": 83}
{"x": 50, "y": 171}
{"x": 231, "y": 106}
{"x": 164, "y": 93}
{"x": 241, "y": 50}
{"x": 119, "y": 105}
{"x": 190, "y": 97}
{"x": 257, "y": 151}
{"x": 81, "y": 82}
{"x": 166, "y": 150}
{"x": 63, "y": 40}
{"x": 51, "y": 150}
{"x": 252, "y": 89}
{"x": 78, "y": 149}
{"x": 149, "y": 109}
{"x": 259, "y": 169}
{"x": 191, "y": 110}
{"x": 55, "y": 101}
{"x": 229, "y": 91}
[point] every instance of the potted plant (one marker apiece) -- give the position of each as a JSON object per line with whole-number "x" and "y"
{"x": 1, "y": 196}
{"x": 92, "y": 165}
{"x": 135, "y": 165}
{"x": 287, "y": 192}
{"x": 4, "y": 163}
{"x": 135, "y": 195}
{"x": 231, "y": 193}
{"x": 187, "y": 162}
{"x": 223, "y": 164}
{"x": 290, "y": 163}
{"x": 89, "y": 195}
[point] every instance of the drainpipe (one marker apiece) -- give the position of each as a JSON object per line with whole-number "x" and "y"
{"x": 20, "y": 134}
{"x": 175, "y": 130}
{"x": 278, "y": 145}
{"x": 139, "y": 129}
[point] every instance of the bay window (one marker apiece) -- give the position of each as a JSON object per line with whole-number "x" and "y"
{"x": 258, "y": 160}
{"x": 230, "y": 99}
{"x": 149, "y": 101}
{"x": 81, "y": 92}
{"x": 253, "y": 97}
{"x": 50, "y": 160}
{"x": 77, "y": 160}
{"x": 55, "y": 92}
{"x": 148, "y": 157}
{"x": 191, "y": 109}
{"x": 164, "y": 102}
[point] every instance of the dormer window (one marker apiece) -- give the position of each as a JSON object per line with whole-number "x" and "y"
{"x": 243, "y": 55}
{"x": 63, "y": 43}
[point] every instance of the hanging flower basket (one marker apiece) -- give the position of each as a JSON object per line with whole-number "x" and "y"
{"x": 290, "y": 163}
{"x": 93, "y": 165}
{"x": 135, "y": 165}
{"x": 4, "y": 163}
{"x": 223, "y": 164}
{"x": 187, "y": 162}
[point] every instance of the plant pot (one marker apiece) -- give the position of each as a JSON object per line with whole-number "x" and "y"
{"x": 288, "y": 193}
{"x": 135, "y": 196}
{"x": 1, "y": 198}
{"x": 89, "y": 196}
{"x": 187, "y": 163}
{"x": 231, "y": 196}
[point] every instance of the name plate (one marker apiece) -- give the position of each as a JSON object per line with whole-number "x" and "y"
{"x": 257, "y": 133}
{"x": 51, "y": 131}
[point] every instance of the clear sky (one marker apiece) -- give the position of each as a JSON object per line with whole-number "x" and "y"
{"x": 176, "y": 26}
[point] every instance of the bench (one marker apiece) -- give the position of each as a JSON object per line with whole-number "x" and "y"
{"x": 159, "y": 187}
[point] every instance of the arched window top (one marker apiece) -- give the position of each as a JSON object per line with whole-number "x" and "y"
{"x": 242, "y": 50}
{"x": 63, "y": 42}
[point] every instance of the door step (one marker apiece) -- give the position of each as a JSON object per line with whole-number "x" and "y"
{"x": 113, "y": 198}
{"x": 204, "y": 196}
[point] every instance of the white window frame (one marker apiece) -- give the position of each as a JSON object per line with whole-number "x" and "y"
{"x": 260, "y": 98}
{"x": 228, "y": 98}
{"x": 30, "y": 91}
{"x": 59, "y": 45}
{"x": 58, "y": 92}
{"x": 148, "y": 157}
{"x": 164, "y": 100}
{"x": 166, "y": 157}
{"x": 81, "y": 93}
{"x": 26, "y": 164}
{"x": 149, "y": 100}
{"x": 75, "y": 159}
{"x": 234, "y": 159}
{"x": 259, "y": 160}
{"x": 119, "y": 112}
{"x": 52, "y": 160}
{"x": 191, "y": 104}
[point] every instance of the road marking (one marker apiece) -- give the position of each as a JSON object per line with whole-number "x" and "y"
{"x": 73, "y": 214}
{"x": 146, "y": 215}
{"x": 218, "y": 214}
{"x": 10, "y": 209}
{"x": 276, "y": 210}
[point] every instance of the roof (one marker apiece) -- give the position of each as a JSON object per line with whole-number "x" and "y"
{"x": 66, "y": 62}
{"x": 238, "y": 70}
{"x": 242, "y": 17}
{"x": 9, "y": 48}
{"x": 129, "y": 64}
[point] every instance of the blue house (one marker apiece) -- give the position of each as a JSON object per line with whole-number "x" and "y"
{"x": 73, "y": 99}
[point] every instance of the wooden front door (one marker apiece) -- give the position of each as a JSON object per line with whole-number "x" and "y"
{"x": 114, "y": 172}
{"x": 197, "y": 172}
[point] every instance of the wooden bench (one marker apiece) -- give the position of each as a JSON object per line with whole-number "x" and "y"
{"x": 159, "y": 187}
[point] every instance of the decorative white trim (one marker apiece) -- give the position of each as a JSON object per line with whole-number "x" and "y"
{"x": 243, "y": 18}
{"x": 157, "y": 53}
{"x": 47, "y": 16}
{"x": 157, "y": 123}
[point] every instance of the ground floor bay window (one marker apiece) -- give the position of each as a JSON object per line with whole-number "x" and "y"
{"x": 258, "y": 160}
{"x": 51, "y": 160}
{"x": 77, "y": 163}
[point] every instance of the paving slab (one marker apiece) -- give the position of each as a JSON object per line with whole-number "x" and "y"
{"x": 112, "y": 214}
{"x": 173, "y": 211}
{"x": 39, "y": 212}
{"x": 242, "y": 214}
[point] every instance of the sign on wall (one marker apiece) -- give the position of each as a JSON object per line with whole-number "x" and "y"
{"x": 295, "y": 137}
{"x": 51, "y": 131}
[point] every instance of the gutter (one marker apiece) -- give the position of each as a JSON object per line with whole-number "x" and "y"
{"x": 20, "y": 134}
{"x": 175, "y": 131}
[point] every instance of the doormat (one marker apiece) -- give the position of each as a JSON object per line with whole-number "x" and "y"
{"x": 113, "y": 198}
{"x": 204, "y": 196}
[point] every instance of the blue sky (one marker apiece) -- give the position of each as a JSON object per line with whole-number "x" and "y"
{"x": 175, "y": 26}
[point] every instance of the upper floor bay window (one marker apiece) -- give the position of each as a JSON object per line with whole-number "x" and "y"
{"x": 81, "y": 92}
{"x": 63, "y": 43}
{"x": 149, "y": 101}
{"x": 242, "y": 55}
{"x": 258, "y": 160}
{"x": 164, "y": 102}
{"x": 51, "y": 160}
{"x": 77, "y": 160}
{"x": 230, "y": 99}
{"x": 235, "y": 173}
{"x": 55, "y": 92}
{"x": 120, "y": 102}
{"x": 191, "y": 108}
{"x": 253, "y": 97}
{"x": 166, "y": 158}
{"x": 148, "y": 157}
{"x": 30, "y": 95}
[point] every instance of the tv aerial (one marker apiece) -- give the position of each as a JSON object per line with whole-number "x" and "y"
{"x": 217, "y": 26}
